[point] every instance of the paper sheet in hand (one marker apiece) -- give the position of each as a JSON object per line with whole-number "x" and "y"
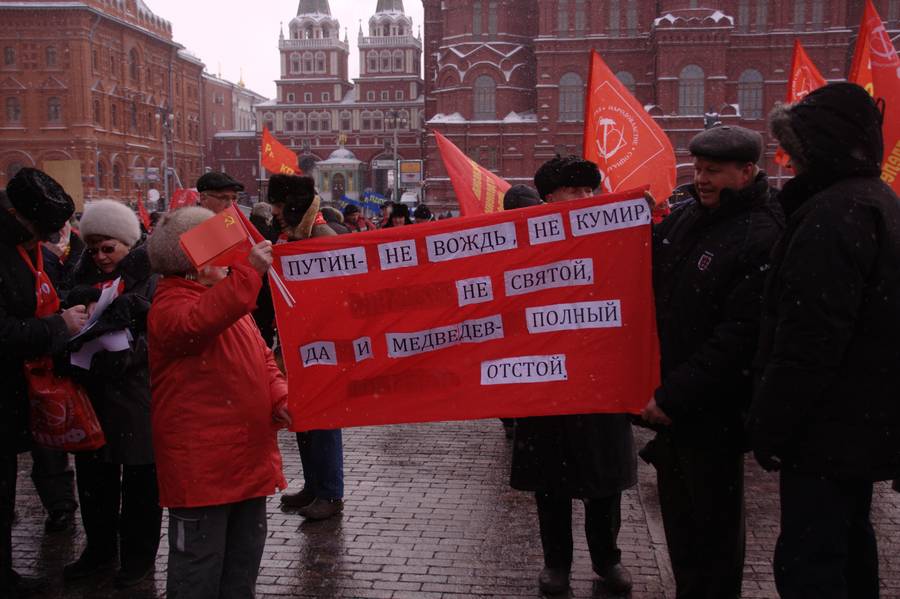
{"x": 107, "y": 296}
{"x": 114, "y": 341}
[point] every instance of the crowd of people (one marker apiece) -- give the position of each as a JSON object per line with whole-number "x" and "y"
{"x": 778, "y": 316}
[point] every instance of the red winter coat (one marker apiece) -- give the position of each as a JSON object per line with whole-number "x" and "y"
{"x": 214, "y": 386}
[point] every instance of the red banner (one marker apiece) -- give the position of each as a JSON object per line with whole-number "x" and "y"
{"x": 622, "y": 139}
{"x": 276, "y": 158}
{"x": 478, "y": 190}
{"x": 539, "y": 311}
{"x": 805, "y": 77}
{"x": 875, "y": 49}
{"x": 182, "y": 198}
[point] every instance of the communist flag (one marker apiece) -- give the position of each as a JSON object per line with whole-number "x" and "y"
{"x": 142, "y": 212}
{"x": 805, "y": 77}
{"x": 478, "y": 190}
{"x": 220, "y": 241}
{"x": 277, "y": 158}
{"x": 624, "y": 141}
{"x": 876, "y": 67}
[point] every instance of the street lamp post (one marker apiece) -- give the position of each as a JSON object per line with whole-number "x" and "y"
{"x": 395, "y": 118}
{"x": 167, "y": 119}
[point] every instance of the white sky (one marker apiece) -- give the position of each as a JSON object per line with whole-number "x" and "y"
{"x": 236, "y": 34}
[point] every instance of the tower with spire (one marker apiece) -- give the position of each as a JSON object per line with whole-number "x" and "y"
{"x": 389, "y": 56}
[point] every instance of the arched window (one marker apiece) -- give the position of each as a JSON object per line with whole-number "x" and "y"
{"x": 54, "y": 110}
{"x": 817, "y": 19}
{"x": 631, "y": 17}
{"x": 133, "y": 64}
{"x": 762, "y": 14}
{"x": 476, "y": 17}
{"x": 314, "y": 122}
{"x": 799, "y": 15}
{"x": 562, "y": 17}
{"x": 691, "y": 90}
{"x": 114, "y": 116}
{"x": 372, "y": 61}
{"x": 325, "y": 121}
{"x": 403, "y": 119}
{"x": 320, "y": 62}
{"x": 9, "y": 56}
{"x": 289, "y": 122}
{"x": 308, "y": 33}
{"x": 385, "y": 61}
{"x": 398, "y": 61}
{"x": 295, "y": 63}
{"x": 492, "y": 17}
{"x": 580, "y": 17}
{"x": 346, "y": 121}
{"x": 750, "y": 94}
{"x": 13, "y": 110}
{"x": 307, "y": 62}
{"x": 98, "y": 112}
{"x": 743, "y": 16}
{"x": 101, "y": 175}
{"x": 116, "y": 177}
{"x": 615, "y": 17}
{"x": 571, "y": 98}
{"x": 378, "y": 120}
{"x": 485, "y": 99}
{"x": 269, "y": 120}
{"x": 366, "y": 120}
{"x": 51, "y": 56}
{"x": 626, "y": 79}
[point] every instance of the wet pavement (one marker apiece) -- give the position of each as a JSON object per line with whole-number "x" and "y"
{"x": 429, "y": 515}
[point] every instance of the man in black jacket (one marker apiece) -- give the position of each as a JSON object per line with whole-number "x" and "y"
{"x": 709, "y": 260}
{"x": 826, "y": 411}
{"x": 33, "y": 208}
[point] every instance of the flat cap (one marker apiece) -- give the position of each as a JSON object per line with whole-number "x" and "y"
{"x": 727, "y": 144}
{"x": 216, "y": 181}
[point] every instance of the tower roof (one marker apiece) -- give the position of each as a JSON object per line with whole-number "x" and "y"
{"x": 312, "y": 7}
{"x": 390, "y": 6}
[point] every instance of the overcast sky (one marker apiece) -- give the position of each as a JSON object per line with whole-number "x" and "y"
{"x": 244, "y": 34}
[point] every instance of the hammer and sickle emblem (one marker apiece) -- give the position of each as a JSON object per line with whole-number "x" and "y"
{"x": 229, "y": 220}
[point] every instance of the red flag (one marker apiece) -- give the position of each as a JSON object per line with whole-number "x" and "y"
{"x": 876, "y": 58}
{"x": 805, "y": 77}
{"x": 276, "y": 157}
{"x": 219, "y": 241}
{"x": 142, "y": 212}
{"x": 478, "y": 190}
{"x": 624, "y": 141}
{"x": 182, "y": 198}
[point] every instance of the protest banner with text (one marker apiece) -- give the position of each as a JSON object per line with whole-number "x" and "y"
{"x": 541, "y": 311}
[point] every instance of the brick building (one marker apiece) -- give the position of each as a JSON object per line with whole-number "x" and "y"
{"x": 505, "y": 79}
{"x": 228, "y": 109}
{"x": 102, "y": 82}
{"x": 343, "y": 131}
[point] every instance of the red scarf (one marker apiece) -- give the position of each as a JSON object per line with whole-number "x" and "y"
{"x": 47, "y": 299}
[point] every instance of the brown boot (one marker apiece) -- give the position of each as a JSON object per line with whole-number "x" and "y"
{"x": 301, "y": 498}
{"x": 322, "y": 509}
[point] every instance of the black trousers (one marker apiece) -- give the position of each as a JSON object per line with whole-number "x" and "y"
{"x": 8, "y": 469}
{"x": 119, "y": 503}
{"x": 827, "y": 547}
{"x": 701, "y": 496}
{"x": 602, "y": 520}
{"x": 53, "y": 479}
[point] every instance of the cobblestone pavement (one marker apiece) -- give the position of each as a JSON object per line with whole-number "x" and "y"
{"x": 429, "y": 515}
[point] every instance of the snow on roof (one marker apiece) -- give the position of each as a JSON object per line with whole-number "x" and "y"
{"x": 447, "y": 118}
{"x": 520, "y": 117}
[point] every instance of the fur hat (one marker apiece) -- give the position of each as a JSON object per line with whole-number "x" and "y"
{"x": 570, "y": 171}
{"x": 42, "y": 201}
{"x": 164, "y": 246}
{"x": 332, "y": 215}
{"x": 296, "y": 193}
{"x": 109, "y": 218}
{"x": 520, "y": 196}
{"x": 727, "y": 144}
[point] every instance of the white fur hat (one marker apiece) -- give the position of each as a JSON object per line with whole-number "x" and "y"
{"x": 110, "y": 218}
{"x": 164, "y": 247}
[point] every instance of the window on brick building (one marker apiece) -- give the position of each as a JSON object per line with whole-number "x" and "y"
{"x": 325, "y": 121}
{"x": 762, "y": 14}
{"x": 398, "y": 61}
{"x": 9, "y": 56}
{"x": 691, "y": 90}
{"x": 743, "y": 16}
{"x": 492, "y": 17}
{"x": 386, "y": 61}
{"x": 372, "y": 61}
{"x": 54, "y": 110}
{"x": 631, "y": 17}
{"x": 320, "y": 62}
{"x": 366, "y": 120}
{"x": 98, "y": 112}
{"x": 295, "y": 63}
{"x": 398, "y": 95}
{"x": 51, "y": 56}
{"x": 151, "y": 125}
{"x": 326, "y": 97}
{"x": 291, "y": 98}
{"x": 485, "y": 99}
{"x": 301, "y": 122}
{"x": 289, "y": 122}
{"x": 134, "y": 65}
{"x": 346, "y": 121}
{"x": 817, "y": 17}
{"x": 378, "y": 121}
{"x": 101, "y": 175}
{"x": 571, "y": 98}
{"x": 562, "y": 17}
{"x": 476, "y": 17}
{"x": 133, "y": 114}
{"x": 314, "y": 121}
{"x": 750, "y": 94}
{"x": 799, "y": 15}
{"x": 116, "y": 177}
{"x": 370, "y": 96}
{"x": 385, "y": 96}
{"x": 615, "y": 17}
{"x": 269, "y": 121}
{"x": 580, "y": 17}
{"x": 626, "y": 79}
{"x": 95, "y": 61}
{"x": 13, "y": 110}
{"x": 114, "y": 116}
{"x": 307, "y": 97}
{"x": 308, "y": 62}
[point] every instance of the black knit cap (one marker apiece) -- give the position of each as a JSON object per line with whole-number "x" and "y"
{"x": 727, "y": 144}
{"x": 520, "y": 196}
{"x": 570, "y": 171}
{"x": 42, "y": 201}
{"x": 296, "y": 193}
{"x": 216, "y": 181}
{"x": 350, "y": 209}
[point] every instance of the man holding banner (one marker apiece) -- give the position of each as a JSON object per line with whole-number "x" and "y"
{"x": 709, "y": 260}
{"x": 584, "y": 456}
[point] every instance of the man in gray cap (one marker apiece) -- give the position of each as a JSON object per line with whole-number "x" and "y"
{"x": 218, "y": 190}
{"x": 709, "y": 262}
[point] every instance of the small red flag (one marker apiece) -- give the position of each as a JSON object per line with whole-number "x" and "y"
{"x": 219, "y": 241}
{"x": 276, "y": 158}
{"x": 142, "y": 212}
{"x": 805, "y": 77}
{"x": 182, "y": 198}
{"x": 876, "y": 67}
{"x": 624, "y": 141}
{"x": 478, "y": 190}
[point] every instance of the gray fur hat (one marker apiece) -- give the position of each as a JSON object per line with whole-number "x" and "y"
{"x": 109, "y": 218}
{"x": 164, "y": 247}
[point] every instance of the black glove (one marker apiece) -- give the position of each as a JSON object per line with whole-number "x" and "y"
{"x": 767, "y": 459}
{"x": 82, "y": 295}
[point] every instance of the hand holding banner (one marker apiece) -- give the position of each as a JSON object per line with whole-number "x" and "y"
{"x": 539, "y": 311}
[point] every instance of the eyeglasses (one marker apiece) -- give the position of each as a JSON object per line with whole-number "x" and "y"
{"x": 106, "y": 249}
{"x": 222, "y": 197}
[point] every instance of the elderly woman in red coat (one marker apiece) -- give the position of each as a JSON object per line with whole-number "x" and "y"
{"x": 218, "y": 400}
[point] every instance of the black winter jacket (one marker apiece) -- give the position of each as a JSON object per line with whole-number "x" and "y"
{"x": 708, "y": 274}
{"x": 22, "y": 336}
